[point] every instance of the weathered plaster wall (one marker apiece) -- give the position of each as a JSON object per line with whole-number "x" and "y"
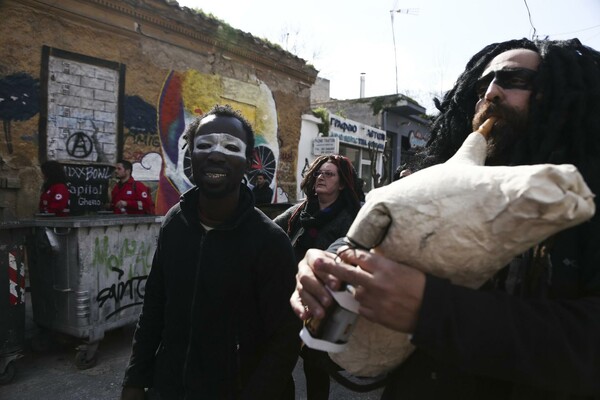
{"x": 172, "y": 73}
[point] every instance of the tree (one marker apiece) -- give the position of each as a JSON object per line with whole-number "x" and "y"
{"x": 140, "y": 116}
{"x": 383, "y": 179}
{"x": 19, "y": 101}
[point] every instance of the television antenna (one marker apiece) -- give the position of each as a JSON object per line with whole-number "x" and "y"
{"x": 408, "y": 11}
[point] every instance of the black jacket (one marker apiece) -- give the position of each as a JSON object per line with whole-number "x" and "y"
{"x": 537, "y": 338}
{"x": 216, "y": 321}
{"x": 320, "y": 228}
{"x": 262, "y": 194}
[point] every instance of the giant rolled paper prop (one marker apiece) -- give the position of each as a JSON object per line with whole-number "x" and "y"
{"x": 462, "y": 221}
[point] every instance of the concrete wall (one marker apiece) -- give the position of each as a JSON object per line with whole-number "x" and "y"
{"x": 319, "y": 93}
{"x": 355, "y": 109}
{"x": 310, "y": 131}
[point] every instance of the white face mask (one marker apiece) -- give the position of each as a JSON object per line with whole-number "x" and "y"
{"x": 222, "y": 143}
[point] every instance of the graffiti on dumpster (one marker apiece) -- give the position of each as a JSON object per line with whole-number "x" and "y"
{"x": 128, "y": 253}
{"x": 130, "y": 289}
{"x": 129, "y": 259}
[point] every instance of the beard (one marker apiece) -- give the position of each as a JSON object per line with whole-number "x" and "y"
{"x": 509, "y": 129}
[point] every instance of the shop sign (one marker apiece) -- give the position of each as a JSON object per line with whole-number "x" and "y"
{"x": 326, "y": 145}
{"x": 356, "y": 134}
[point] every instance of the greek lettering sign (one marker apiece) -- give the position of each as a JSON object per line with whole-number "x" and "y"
{"x": 88, "y": 186}
{"x": 326, "y": 145}
{"x": 355, "y": 133}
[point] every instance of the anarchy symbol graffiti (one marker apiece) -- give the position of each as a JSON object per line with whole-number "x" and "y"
{"x": 79, "y": 145}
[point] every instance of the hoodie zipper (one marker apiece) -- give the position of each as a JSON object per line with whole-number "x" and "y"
{"x": 238, "y": 361}
{"x": 192, "y": 309}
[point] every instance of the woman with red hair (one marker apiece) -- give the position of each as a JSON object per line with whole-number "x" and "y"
{"x": 333, "y": 197}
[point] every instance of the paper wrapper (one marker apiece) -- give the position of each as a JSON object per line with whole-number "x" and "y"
{"x": 462, "y": 221}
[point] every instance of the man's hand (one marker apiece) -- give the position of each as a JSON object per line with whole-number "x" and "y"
{"x": 389, "y": 293}
{"x": 133, "y": 393}
{"x": 310, "y": 299}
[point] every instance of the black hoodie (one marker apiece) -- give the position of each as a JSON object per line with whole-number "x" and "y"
{"x": 216, "y": 321}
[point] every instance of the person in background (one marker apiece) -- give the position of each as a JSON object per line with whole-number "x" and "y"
{"x": 401, "y": 172}
{"x": 263, "y": 194}
{"x": 129, "y": 196}
{"x": 333, "y": 197}
{"x": 532, "y": 331}
{"x": 216, "y": 322}
{"x": 55, "y": 195}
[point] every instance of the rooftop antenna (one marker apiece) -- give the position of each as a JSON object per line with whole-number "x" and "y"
{"x": 409, "y": 11}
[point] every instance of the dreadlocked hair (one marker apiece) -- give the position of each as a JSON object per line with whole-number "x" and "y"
{"x": 564, "y": 108}
{"x": 53, "y": 172}
{"x": 352, "y": 192}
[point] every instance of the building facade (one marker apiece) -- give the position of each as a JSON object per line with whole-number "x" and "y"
{"x": 364, "y": 145}
{"x": 402, "y": 120}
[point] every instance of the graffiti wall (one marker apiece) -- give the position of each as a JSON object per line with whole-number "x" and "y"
{"x": 78, "y": 89}
{"x": 186, "y": 95}
{"x": 19, "y": 101}
{"x": 84, "y": 125}
{"x": 141, "y": 141}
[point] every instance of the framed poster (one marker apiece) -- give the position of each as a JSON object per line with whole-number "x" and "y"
{"x": 81, "y": 117}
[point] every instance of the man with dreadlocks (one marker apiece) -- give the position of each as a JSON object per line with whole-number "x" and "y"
{"x": 533, "y": 331}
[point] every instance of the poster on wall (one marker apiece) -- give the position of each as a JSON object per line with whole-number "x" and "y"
{"x": 326, "y": 145}
{"x": 88, "y": 187}
{"x": 82, "y": 108}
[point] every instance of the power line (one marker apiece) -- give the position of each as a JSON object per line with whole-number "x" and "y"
{"x": 534, "y": 34}
{"x": 580, "y": 30}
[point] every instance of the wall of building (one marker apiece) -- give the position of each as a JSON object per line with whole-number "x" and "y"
{"x": 319, "y": 92}
{"x": 355, "y": 109}
{"x": 398, "y": 116}
{"x": 86, "y": 82}
{"x": 342, "y": 135}
{"x": 310, "y": 131}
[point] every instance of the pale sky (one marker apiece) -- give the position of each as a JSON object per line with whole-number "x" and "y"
{"x": 434, "y": 39}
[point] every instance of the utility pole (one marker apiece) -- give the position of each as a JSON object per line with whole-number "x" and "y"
{"x": 409, "y": 11}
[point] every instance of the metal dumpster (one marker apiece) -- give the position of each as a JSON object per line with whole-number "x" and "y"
{"x": 12, "y": 296}
{"x": 88, "y": 275}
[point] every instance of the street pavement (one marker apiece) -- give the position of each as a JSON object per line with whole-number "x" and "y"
{"x": 52, "y": 374}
